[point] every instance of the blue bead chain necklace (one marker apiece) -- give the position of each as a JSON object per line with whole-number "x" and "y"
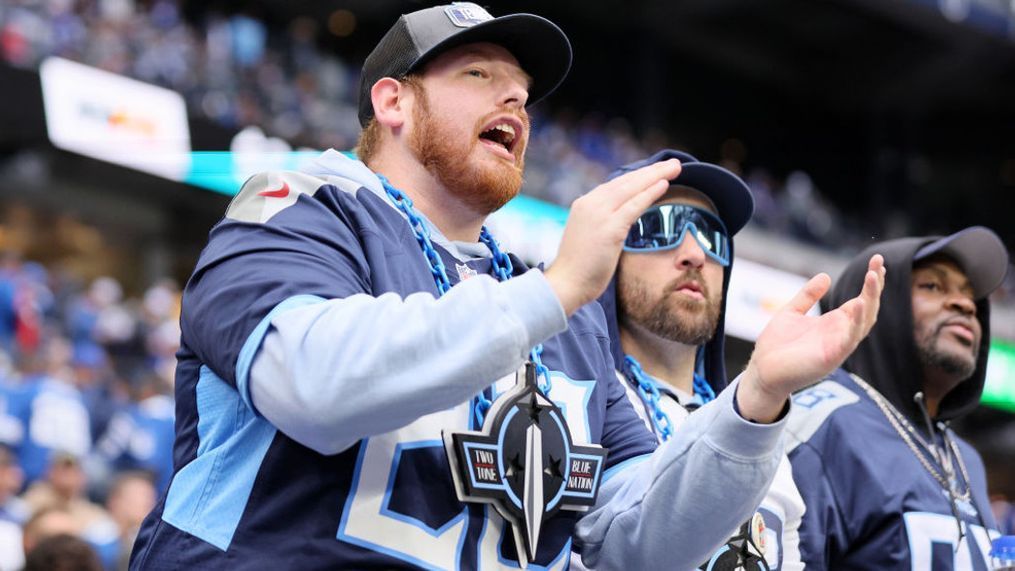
{"x": 649, "y": 393}
{"x": 502, "y": 266}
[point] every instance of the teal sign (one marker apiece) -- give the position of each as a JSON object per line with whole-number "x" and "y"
{"x": 999, "y": 392}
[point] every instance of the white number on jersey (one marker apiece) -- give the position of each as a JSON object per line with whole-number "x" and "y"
{"x": 368, "y": 521}
{"x": 925, "y": 529}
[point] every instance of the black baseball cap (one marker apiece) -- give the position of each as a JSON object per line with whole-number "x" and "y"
{"x": 730, "y": 195}
{"x": 541, "y": 48}
{"x": 980, "y": 253}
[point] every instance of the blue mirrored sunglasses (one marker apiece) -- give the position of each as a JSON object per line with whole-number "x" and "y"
{"x": 664, "y": 226}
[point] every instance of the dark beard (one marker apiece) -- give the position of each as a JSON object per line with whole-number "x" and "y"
{"x": 950, "y": 363}
{"x": 676, "y": 319}
{"x": 482, "y": 189}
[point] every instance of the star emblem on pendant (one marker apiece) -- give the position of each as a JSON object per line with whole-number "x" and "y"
{"x": 524, "y": 463}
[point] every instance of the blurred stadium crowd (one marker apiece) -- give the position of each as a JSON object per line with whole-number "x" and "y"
{"x": 86, "y": 413}
{"x": 86, "y": 416}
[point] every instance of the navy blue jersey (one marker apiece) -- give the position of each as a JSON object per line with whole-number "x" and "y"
{"x": 870, "y": 502}
{"x": 246, "y": 496}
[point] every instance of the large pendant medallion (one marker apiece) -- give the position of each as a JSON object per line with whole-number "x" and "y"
{"x": 524, "y": 463}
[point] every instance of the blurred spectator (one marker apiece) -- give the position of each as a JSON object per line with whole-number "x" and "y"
{"x": 249, "y": 36}
{"x": 32, "y": 300}
{"x": 102, "y": 326}
{"x": 44, "y": 411}
{"x": 767, "y": 211}
{"x": 99, "y": 316}
{"x": 140, "y": 437}
{"x": 160, "y": 321}
{"x": 1004, "y": 514}
{"x": 62, "y": 553}
{"x": 64, "y": 489}
{"x": 47, "y": 523}
{"x": 98, "y": 385}
{"x": 9, "y": 266}
{"x": 811, "y": 219}
{"x": 13, "y": 512}
{"x": 24, "y": 297}
{"x": 130, "y": 499}
{"x": 12, "y": 508}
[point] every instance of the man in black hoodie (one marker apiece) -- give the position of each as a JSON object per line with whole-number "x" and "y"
{"x": 886, "y": 483}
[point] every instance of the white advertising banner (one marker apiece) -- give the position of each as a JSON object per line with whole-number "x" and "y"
{"x": 115, "y": 118}
{"x": 756, "y": 293}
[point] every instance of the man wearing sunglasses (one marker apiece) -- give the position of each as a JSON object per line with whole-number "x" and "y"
{"x": 665, "y": 310}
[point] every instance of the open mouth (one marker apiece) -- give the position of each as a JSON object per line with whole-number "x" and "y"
{"x": 503, "y": 133}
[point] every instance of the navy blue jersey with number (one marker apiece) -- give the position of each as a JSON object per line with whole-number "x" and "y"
{"x": 246, "y": 496}
{"x": 870, "y": 503}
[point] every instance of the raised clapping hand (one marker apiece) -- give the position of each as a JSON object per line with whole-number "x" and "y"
{"x": 596, "y": 228}
{"x": 796, "y": 350}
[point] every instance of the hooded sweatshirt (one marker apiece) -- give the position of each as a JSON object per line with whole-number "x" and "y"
{"x": 782, "y": 506}
{"x": 872, "y": 502}
{"x": 887, "y": 358}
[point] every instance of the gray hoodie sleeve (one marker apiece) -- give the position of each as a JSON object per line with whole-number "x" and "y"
{"x": 331, "y": 372}
{"x": 673, "y": 510}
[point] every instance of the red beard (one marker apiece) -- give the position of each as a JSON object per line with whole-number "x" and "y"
{"x": 482, "y": 188}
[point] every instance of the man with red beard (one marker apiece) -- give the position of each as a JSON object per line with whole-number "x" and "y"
{"x": 886, "y": 482}
{"x": 666, "y": 309}
{"x": 347, "y": 395}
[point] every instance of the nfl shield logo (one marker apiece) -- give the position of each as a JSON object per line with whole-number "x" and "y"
{"x": 465, "y": 272}
{"x": 466, "y": 14}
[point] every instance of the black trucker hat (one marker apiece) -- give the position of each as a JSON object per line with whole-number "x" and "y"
{"x": 730, "y": 195}
{"x": 980, "y": 253}
{"x": 541, "y": 48}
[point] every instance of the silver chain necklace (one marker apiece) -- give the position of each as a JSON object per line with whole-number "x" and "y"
{"x": 908, "y": 433}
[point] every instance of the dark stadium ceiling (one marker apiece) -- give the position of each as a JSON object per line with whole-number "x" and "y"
{"x": 886, "y": 54}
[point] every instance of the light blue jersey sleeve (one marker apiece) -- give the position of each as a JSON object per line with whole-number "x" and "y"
{"x": 673, "y": 510}
{"x": 328, "y": 373}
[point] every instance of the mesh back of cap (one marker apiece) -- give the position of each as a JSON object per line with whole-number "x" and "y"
{"x": 392, "y": 57}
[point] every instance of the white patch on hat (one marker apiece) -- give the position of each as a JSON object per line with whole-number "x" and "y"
{"x": 466, "y": 14}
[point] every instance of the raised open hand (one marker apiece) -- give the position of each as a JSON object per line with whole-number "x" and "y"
{"x": 795, "y": 350}
{"x": 596, "y": 228}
